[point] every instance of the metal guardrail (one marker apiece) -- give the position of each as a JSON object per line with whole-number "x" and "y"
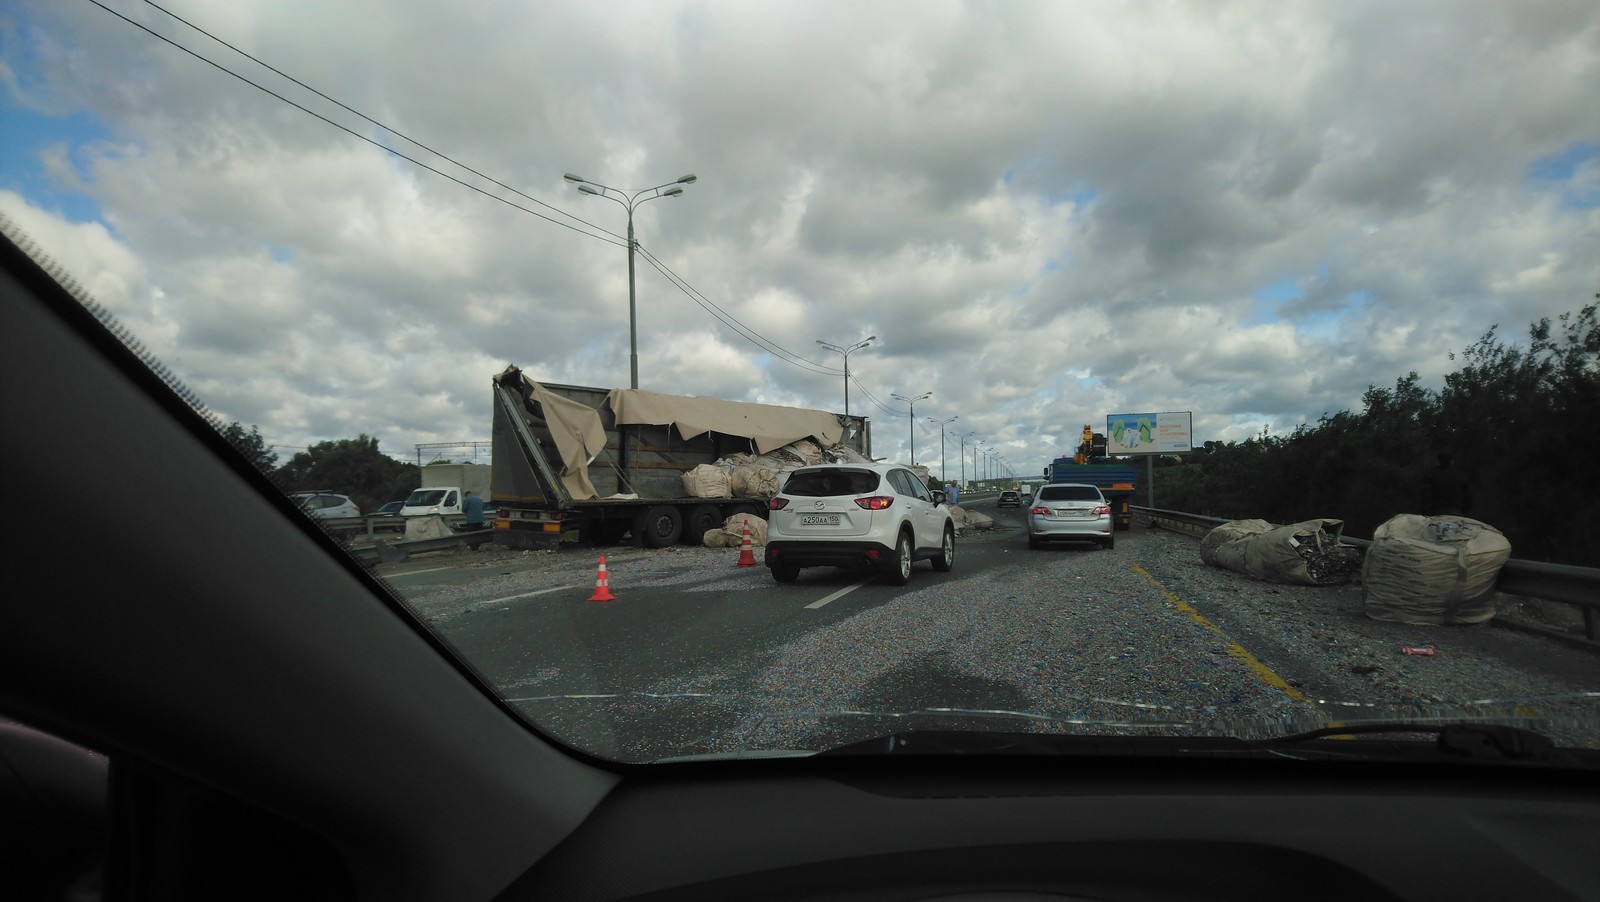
{"x": 372, "y": 525}
{"x": 398, "y": 552}
{"x": 1559, "y": 583}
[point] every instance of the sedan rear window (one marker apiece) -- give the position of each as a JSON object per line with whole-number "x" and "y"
{"x": 827, "y": 483}
{"x": 1069, "y": 493}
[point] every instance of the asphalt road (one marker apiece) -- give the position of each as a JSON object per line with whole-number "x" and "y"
{"x": 698, "y": 656}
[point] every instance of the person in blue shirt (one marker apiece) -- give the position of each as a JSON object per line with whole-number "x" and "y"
{"x": 472, "y": 506}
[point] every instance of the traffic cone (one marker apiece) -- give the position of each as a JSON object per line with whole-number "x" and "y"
{"x": 747, "y": 554}
{"x": 602, "y": 591}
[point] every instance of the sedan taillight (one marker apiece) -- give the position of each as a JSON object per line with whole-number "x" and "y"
{"x": 875, "y": 503}
{"x": 1102, "y": 509}
{"x": 777, "y": 503}
{"x": 1042, "y": 511}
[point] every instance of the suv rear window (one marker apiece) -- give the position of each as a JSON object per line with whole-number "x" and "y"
{"x": 1069, "y": 493}
{"x": 826, "y": 483}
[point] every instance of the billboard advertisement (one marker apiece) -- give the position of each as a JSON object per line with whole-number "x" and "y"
{"x": 1149, "y": 433}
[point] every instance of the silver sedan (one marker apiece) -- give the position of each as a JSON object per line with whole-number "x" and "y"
{"x": 1070, "y": 512}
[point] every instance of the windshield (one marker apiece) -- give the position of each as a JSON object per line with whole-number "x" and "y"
{"x": 1068, "y": 493}
{"x": 1303, "y": 293}
{"x": 831, "y": 482}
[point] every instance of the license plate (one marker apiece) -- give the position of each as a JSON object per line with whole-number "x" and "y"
{"x": 820, "y": 520}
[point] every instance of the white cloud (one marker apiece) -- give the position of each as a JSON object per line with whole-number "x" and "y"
{"x": 1047, "y": 212}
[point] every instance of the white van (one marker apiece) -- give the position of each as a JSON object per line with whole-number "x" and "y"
{"x": 444, "y": 499}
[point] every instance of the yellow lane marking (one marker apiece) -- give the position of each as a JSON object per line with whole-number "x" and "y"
{"x": 1234, "y": 649}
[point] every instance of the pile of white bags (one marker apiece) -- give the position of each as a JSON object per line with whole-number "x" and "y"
{"x": 707, "y": 481}
{"x": 731, "y": 533}
{"x": 1433, "y": 570}
{"x": 1307, "y": 553}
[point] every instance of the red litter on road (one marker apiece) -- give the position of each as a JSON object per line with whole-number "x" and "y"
{"x": 1417, "y": 650}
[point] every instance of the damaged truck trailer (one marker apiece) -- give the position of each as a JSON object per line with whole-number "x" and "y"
{"x": 610, "y": 464}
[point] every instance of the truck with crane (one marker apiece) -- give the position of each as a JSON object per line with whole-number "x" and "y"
{"x": 1090, "y": 465}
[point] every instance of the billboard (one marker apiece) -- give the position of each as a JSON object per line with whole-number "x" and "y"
{"x": 1149, "y": 433}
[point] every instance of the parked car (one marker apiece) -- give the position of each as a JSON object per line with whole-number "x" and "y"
{"x": 392, "y": 509}
{"x": 1070, "y": 512}
{"x": 327, "y": 505}
{"x": 846, "y": 515}
{"x": 1009, "y": 498}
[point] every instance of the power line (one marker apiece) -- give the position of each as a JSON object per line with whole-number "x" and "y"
{"x": 705, "y": 303}
{"x": 746, "y": 332}
{"x": 621, "y": 242}
{"x": 275, "y": 70}
{"x": 873, "y": 398}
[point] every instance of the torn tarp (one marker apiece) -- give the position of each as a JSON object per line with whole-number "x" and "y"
{"x": 1307, "y": 553}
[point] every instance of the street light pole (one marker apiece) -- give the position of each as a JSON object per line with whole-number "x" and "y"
{"x": 629, "y": 202}
{"x": 846, "y": 352}
{"x": 944, "y": 474}
{"x": 913, "y": 421}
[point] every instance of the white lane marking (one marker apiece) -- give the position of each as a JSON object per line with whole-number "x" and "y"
{"x": 527, "y": 594}
{"x": 415, "y": 572}
{"x": 839, "y": 594}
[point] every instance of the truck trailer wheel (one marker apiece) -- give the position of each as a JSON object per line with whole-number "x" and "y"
{"x": 658, "y": 527}
{"x": 746, "y": 509}
{"x": 702, "y": 519}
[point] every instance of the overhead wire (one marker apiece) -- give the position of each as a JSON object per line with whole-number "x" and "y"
{"x": 748, "y": 333}
{"x": 694, "y": 294}
{"x": 608, "y": 236}
{"x": 874, "y": 399}
{"x": 388, "y": 128}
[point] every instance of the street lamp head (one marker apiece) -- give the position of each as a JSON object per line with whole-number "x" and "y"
{"x": 574, "y": 178}
{"x": 688, "y": 179}
{"x": 672, "y": 192}
{"x": 585, "y": 189}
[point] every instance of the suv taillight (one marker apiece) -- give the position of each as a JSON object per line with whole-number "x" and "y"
{"x": 875, "y": 502}
{"x": 777, "y": 503}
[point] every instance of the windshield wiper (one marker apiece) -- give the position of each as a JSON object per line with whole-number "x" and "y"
{"x": 1454, "y": 743}
{"x": 1466, "y": 740}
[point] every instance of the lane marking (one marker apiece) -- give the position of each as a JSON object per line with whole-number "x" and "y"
{"x": 415, "y": 572}
{"x": 1234, "y": 649}
{"x": 528, "y": 594}
{"x": 837, "y": 595}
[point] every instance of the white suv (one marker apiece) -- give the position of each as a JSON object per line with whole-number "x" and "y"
{"x": 845, "y": 515}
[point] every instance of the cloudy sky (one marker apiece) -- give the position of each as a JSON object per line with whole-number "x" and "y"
{"x": 1045, "y": 212}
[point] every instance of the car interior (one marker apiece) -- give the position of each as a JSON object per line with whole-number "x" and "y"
{"x": 245, "y": 712}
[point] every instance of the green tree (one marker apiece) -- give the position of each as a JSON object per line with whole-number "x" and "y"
{"x": 1521, "y": 422}
{"x": 354, "y": 467}
{"x": 251, "y": 445}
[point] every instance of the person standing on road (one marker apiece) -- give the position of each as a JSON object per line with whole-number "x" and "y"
{"x": 472, "y": 506}
{"x": 1446, "y": 491}
{"x": 955, "y": 493}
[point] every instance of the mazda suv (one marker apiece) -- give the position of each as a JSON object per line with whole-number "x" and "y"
{"x": 847, "y": 515}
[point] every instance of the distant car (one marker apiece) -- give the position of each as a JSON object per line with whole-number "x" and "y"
{"x": 392, "y": 509}
{"x": 1070, "y": 512}
{"x": 844, "y": 515}
{"x": 327, "y": 505}
{"x": 1009, "y": 498}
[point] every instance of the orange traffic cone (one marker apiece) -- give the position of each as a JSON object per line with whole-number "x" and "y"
{"x": 747, "y": 555}
{"x": 602, "y": 590}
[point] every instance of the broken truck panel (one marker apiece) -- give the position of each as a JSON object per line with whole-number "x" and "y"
{"x": 610, "y": 462}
